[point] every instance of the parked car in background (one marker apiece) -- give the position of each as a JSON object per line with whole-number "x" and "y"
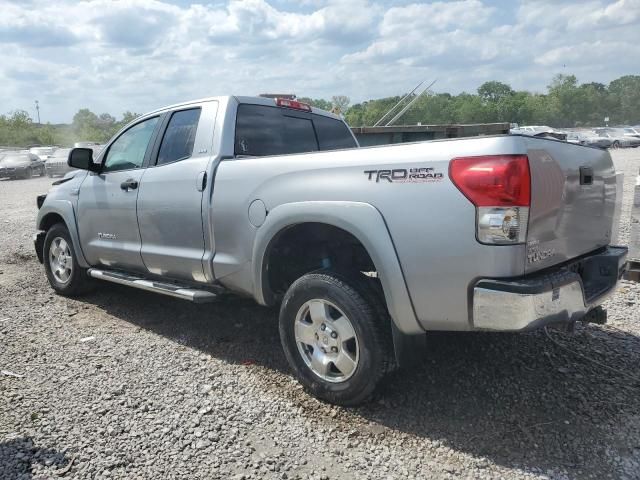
{"x": 20, "y": 165}
{"x": 85, "y": 144}
{"x": 56, "y": 164}
{"x": 618, "y": 138}
{"x": 539, "y": 131}
{"x": 43, "y": 152}
{"x": 631, "y": 131}
{"x": 588, "y": 139}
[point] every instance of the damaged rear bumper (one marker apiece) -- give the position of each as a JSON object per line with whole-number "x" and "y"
{"x": 563, "y": 294}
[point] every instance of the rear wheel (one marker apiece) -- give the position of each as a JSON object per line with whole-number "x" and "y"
{"x": 334, "y": 337}
{"x": 65, "y": 276}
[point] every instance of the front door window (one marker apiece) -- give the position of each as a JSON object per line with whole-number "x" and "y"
{"x": 128, "y": 151}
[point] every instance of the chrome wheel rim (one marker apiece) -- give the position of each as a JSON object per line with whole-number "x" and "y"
{"x": 326, "y": 340}
{"x": 60, "y": 260}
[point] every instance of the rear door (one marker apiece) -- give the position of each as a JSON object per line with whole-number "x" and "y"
{"x": 170, "y": 212}
{"x": 107, "y": 219}
{"x": 573, "y": 195}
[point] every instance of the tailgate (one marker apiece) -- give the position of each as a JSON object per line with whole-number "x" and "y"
{"x": 573, "y": 194}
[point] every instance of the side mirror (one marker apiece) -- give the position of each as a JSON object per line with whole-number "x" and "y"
{"x": 82, "y": 158}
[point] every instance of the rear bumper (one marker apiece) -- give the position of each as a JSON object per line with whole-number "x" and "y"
{"x": 560, "y": 295}
{"x": 633, "y": 272}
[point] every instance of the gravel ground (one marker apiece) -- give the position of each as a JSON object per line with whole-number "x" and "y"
{"x": 128, "y": 384}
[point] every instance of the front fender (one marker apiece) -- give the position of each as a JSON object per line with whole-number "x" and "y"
{"x": 63, "y": 208}
{"x": 361, "y": 220}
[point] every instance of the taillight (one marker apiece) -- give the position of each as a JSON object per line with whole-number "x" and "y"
{"x": 296, "y": 105}
{"x": 500, "y": 188}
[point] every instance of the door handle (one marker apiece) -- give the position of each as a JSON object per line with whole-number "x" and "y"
{"x": 130, "y": 183}
{"x": 201, "y": 182}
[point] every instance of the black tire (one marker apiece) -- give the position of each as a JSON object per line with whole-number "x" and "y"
{"x": 355, "y": 300}
{"x": 616, "y": 145}
{"x": 78, "y": 281}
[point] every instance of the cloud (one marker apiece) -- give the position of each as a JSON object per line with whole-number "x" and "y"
{"x": 434, "y": 17}
{"x": 113, "y": 56}
{"x": 35, "y": 29}
{"x": 433, "y": 34}
{"x": 580, "y": 16}
{"x": 135, "y": 28}
{"x": 37, "y": 36}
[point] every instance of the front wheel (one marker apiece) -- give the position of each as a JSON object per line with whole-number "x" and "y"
{"x": 64, "y": 273}
{"x": 616, "y": 145}
{"x": 335, "y": 337}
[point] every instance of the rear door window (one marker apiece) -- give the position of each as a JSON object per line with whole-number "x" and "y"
{"x": 332, "y": 133}
{"x": 179, "y": 137}
{"x": 263, "y": 130}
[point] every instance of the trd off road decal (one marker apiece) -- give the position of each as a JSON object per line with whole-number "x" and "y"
{"x": 404, "y": 175}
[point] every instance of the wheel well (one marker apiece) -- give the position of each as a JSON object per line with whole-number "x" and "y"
{"x": 306, "y": 247}
{"x": 49, "y": 220}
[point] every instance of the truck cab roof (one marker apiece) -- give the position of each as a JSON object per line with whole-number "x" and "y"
{"x": 240, "y": 99}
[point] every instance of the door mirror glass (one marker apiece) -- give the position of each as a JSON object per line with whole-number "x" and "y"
{"x": 81, "y": 158}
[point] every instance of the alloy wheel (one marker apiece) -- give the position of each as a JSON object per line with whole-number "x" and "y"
{"x": 326, "y": 340}
{"x": 60, "y": 260}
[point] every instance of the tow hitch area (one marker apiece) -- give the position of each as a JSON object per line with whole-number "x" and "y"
{"x": 597, "y": 315}
{"x": 633, "y": 271}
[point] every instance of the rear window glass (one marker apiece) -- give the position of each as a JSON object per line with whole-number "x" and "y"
{"x": 262, "y": 130}
{"x": 332, "y": 133}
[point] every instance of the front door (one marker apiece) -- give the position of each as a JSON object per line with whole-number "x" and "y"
{"x": 170, "y": 200}
{"x": 107, "y": 219}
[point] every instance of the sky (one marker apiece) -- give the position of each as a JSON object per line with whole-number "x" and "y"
{"x": 137, "y": 55}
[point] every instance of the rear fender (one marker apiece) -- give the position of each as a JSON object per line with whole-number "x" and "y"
{"x": 361, "y": 220}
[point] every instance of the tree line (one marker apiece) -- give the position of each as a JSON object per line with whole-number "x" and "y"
{"x": 566, "y": 103}
{"x": 17, "y": 129}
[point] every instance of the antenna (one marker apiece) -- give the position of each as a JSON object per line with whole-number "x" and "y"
{"x": 408, "y": 105}
{"x": 396, "y": 105}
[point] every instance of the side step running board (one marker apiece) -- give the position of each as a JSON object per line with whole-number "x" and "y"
{"x": 186, "y": 293}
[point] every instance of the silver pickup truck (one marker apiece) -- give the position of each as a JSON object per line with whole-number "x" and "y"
{"x": 364, "y": 249}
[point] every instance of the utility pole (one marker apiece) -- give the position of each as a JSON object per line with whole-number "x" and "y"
{"x": 38, "y": 111}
